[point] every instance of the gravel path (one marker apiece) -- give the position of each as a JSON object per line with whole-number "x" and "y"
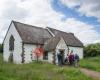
{"x": 91, "y": 73}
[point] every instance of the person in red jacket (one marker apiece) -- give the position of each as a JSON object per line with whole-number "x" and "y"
{"x": 38, "y": 52}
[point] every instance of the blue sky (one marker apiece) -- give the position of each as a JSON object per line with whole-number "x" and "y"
{"x": 81, "y": 17}
{"x": 72, "y": 13}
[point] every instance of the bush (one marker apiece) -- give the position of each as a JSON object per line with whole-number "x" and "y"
{"x": 92, "y": 50}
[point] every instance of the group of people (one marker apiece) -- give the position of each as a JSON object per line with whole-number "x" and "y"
{"x": 71, "y": 58}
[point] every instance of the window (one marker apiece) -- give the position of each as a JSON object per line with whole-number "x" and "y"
{"x": 45, "y": 55}
{"x": 11, "y": 43}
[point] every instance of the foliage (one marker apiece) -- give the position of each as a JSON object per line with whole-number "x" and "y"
{"x": 92, "y": 50}
{"x": 92, "y": 63}
{"x": 1, "y": 48}
{"x": 39, "y": 71}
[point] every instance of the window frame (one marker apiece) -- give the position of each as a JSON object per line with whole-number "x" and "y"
{"x": 45, "y": 55}
{"x": 11, "y": 43}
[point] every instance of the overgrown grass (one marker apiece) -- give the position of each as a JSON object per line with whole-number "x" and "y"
{"x": 39, "y": 71}
{"x": 92, "y": 63}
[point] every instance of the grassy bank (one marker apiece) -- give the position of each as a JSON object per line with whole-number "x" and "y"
{"x": 39, "y": 71}
{"x": 92, "y": 63}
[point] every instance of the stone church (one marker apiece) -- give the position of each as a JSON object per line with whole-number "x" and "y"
{"x": 22, "y": 39}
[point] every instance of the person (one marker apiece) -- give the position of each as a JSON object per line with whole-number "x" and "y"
{"x": 59, "y": 56}
{"x": 71, "y": 58}
{"x": 66, "y": 58}
{"x": 76, "y": 57}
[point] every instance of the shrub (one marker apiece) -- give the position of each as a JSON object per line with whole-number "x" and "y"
{"x": 92, "y": 50}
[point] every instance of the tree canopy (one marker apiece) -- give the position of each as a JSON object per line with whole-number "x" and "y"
{"x": 1, "y": 48}
{"x": 92, "y": 50}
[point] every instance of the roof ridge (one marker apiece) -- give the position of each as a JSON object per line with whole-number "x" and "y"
{"x": 60, "y": 30}
{"x": 28, "y": 25}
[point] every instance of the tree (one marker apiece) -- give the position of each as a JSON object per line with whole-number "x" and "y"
{"x": 92, "y": 50}
{"x": 1, "y": 48}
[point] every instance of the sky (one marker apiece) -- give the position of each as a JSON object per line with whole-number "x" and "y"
{"x": 81, "y": 17}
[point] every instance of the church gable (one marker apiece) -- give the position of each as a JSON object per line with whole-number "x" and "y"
{"x": 12, "y": 44}
{"x": 12, "y": 31}
{"x": 61, "y": 44}
{"x": 69, "y": 38}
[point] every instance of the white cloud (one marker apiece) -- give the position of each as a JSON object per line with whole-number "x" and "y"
{"x": 40, "y": 13}
{"x": 86, "y": 33}
{"x": 70, "y": 3}
{"x": 90, "y": 8}
{"x": 10, "y": 10}
{"x": 97, "y": 41}
{"x": 87, "y": 7}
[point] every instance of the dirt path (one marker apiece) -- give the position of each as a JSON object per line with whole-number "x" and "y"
{"x": 91, "y": 73}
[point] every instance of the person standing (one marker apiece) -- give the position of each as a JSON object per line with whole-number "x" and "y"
{"x": 66, "y": 59}
{"x": 59, "y": 56}
{"x": 76, "y": 57}
{"x": 71, "y": 58}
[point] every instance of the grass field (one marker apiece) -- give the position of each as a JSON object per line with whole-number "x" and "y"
{"x": 39, "y": 71}
{"x": 92, "y": 63}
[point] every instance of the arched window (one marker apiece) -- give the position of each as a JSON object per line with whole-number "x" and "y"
{"x": 11, "y": 43}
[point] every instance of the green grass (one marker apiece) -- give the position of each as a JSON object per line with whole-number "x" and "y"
{"x": 92, "y": 63}
{"x": 39, "y": 71}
